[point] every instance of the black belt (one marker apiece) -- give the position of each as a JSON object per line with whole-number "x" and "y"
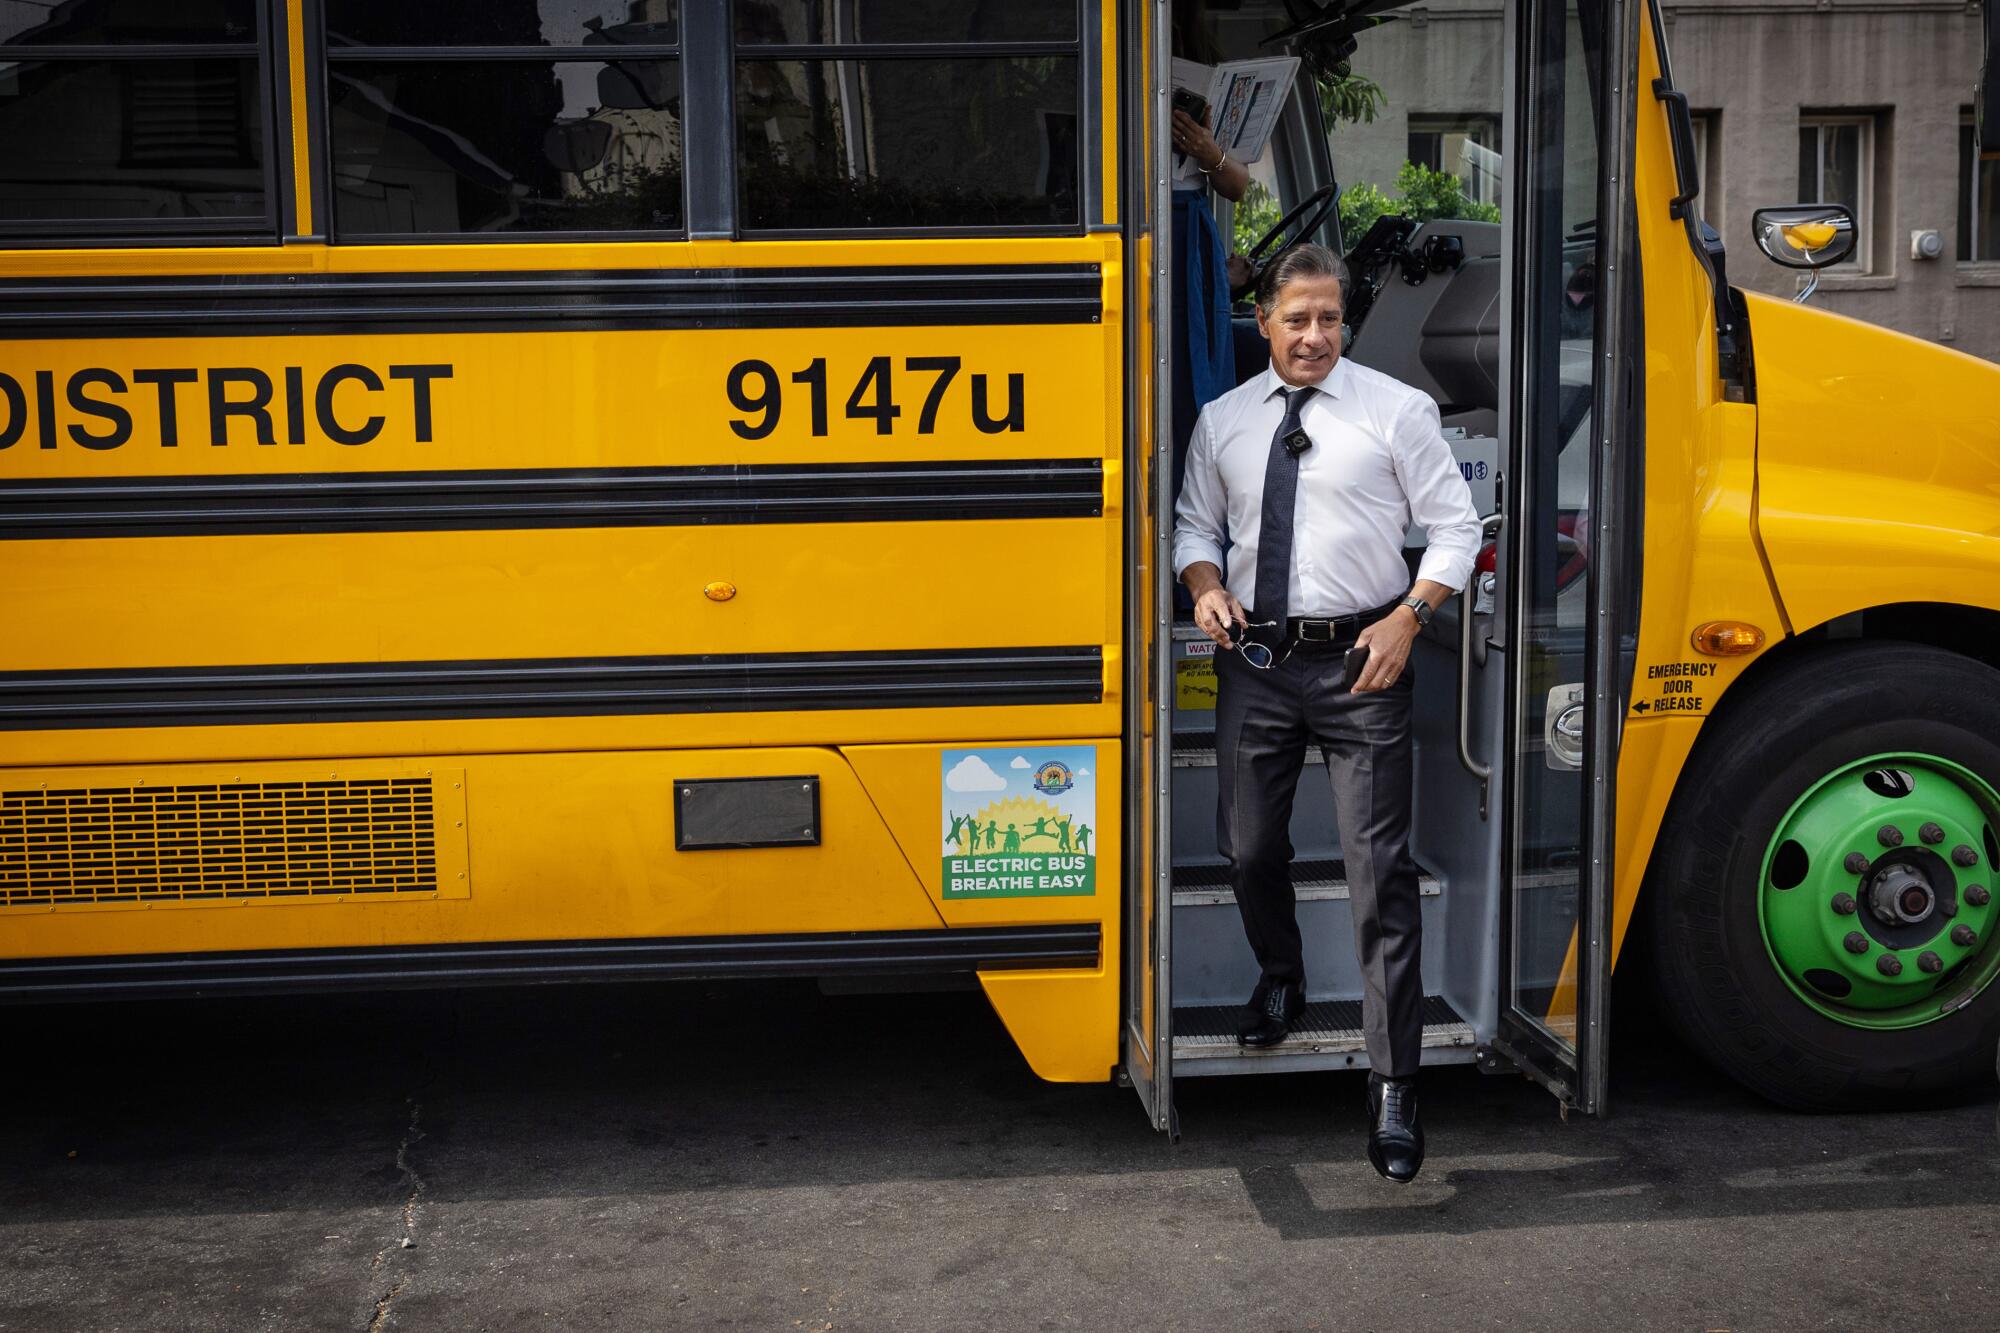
{"x": 1334, "y": 629}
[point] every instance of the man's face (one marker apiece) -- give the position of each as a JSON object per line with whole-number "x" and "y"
{"x": 1304, "y": 329}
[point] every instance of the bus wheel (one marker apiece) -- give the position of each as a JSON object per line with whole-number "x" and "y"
{"x": 1822, "y": 895}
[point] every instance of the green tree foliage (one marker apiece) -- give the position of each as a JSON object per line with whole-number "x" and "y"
{"x": 1256, "y": 213}
{"x": 1351, "y": 97}
{"x": 1425, "y": 194}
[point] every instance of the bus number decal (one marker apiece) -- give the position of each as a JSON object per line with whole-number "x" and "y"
{"x": 756, "y": 390}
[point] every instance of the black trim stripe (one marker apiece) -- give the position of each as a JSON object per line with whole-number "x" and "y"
{"x": 917, "y": 952}
{"x": 317, "y": 303}
{"x": 549, "y": 687}
{"x": 551, "y": 498}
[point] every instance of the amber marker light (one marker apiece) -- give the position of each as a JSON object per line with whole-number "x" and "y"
{"x": 719, "y": 591}
{"x": 1727, "y": 638}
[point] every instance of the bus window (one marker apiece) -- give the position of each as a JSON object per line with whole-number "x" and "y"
{"x": 100, "y": 138}
{"x": 838, "y": 130}
{"x": 511, "y": 118}
{"x": 1416, "y": 146}
{"x": 813, "y": 22}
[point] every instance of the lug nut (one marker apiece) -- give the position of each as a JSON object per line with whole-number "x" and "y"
{"x": 1931, "y": 833}
{"x": 1977, "y": 895}
{"x": 1889, "y": 836}
{"x": 1843, "y": 903}
{"x": 1856, "y": 863}
{"x": 1889, "y": 965}
{"x": 1930, "y": 962}
{"x": 1964, "y": 936}
{"x": 1964, "y": 856}
{"x": 1856, "y": 942}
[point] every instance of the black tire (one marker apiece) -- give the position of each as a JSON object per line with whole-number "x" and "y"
{"x": 1717, "y": 985}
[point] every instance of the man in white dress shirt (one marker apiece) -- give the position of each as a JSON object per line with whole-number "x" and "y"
{"x": 1308, "y": 476}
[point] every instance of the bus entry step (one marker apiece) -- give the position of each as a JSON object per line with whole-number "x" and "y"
{"x": 1327, "y": 1036}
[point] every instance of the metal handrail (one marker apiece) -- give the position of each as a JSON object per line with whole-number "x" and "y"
{"x": 1489, "y": 528}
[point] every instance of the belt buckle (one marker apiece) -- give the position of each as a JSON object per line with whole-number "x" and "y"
{"x": 1306, "y": 634}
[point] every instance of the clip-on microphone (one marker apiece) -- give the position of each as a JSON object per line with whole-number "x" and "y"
{"x": 1298, "y": 442}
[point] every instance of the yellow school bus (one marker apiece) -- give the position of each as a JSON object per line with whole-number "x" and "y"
{"x": 509, "y": 491}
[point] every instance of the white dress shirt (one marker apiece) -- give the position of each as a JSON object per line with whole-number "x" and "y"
{"x": 1378, "y": 462}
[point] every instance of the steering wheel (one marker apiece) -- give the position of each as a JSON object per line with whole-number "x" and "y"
{"x": 1316, "y": 208}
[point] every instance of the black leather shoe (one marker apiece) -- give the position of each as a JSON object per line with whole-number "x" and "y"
{"x": 1270, "y": 1014}
{"x": 1395, "y": 1138}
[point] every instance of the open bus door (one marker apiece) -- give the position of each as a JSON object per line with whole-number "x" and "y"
{"x": 1518, "y": 684}
{"x": 1559, "y": 572}
{"x": 1145, "y": 203}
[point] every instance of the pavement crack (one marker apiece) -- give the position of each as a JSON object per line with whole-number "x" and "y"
{"x": 415, "y": 1187}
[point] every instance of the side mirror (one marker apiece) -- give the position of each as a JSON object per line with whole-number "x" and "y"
{"x": 1807, "y": 236}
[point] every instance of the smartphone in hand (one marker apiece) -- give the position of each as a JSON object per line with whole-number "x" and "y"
{"x": 1356, "y": 662}
{"x": 1193, "y": 103}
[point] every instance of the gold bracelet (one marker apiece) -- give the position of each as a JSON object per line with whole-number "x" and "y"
{"x": 1210, "y": 171}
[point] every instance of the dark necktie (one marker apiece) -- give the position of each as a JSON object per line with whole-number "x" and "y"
{"x": 1281, "y": 498}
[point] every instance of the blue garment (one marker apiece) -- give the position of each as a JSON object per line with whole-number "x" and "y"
{"x": 1204, "y": 351}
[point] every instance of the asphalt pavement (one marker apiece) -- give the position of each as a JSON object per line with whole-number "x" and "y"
{"x": 761, "y": 1156}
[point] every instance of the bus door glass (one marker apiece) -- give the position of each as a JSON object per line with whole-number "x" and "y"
{"x": 1551, "y": 528}
{"x": 1145, "y": 198}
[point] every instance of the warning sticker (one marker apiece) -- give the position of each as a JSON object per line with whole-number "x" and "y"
{"x": 1020, "y": 822}
{"x": 1194, "y": 683}
{"x": 1673, "y": 687}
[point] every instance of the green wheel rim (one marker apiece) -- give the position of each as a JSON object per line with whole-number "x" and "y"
{"x": 1876, "y": 891}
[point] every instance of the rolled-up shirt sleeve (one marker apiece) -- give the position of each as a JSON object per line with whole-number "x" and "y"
{"x": 1201, "y": 514}
{"x": 1439, "y": 498}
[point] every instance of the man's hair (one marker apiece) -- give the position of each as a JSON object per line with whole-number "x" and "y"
{"x": 1301, "y": 261}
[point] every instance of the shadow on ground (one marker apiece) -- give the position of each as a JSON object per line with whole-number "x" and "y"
{"x": 224, "y": 1106}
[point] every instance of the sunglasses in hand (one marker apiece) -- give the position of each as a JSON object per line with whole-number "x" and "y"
{"x": 1256, "y": 654}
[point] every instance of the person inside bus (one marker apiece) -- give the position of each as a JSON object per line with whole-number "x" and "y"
{"x": 1204, "y": 273}
{"x": 1308, "y": 476}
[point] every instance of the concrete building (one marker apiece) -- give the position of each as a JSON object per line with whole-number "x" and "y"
{"x": 1863, "y": 102}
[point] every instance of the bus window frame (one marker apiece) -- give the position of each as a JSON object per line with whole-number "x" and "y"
{"x": 272, "y": 103}
{"x": 1086, "y": 49}
{"x": 323, "y": 58}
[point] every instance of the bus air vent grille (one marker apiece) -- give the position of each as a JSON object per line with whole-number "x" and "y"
{"x": 220, "y": 841}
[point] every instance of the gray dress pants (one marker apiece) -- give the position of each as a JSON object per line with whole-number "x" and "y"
{"x": 1263, "y": 722}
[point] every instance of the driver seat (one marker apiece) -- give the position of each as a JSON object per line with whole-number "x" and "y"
{"x": 1253, "y": 354}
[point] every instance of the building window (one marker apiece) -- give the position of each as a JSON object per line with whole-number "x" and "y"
{"x": 1467, "y": 147}
{"x": 907, "y": 115}
{"x": 1837, "y": 166}
{"x": 456, "y": 117}
{"x": 134, "y": 122}
{"x": 1707, "y": 163}
{"x": 1978, "y": 201}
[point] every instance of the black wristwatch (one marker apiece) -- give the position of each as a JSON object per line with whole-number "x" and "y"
{"x": 1421, "y": 608}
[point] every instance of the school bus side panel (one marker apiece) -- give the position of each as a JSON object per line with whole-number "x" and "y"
{"x": 1869, "y": 494}
{"x": 568, "y": 810}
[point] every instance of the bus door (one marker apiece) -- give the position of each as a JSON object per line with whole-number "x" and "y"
{"x": 1145, "y": 203}
{"x": 1495, "y": 311}
{"x": 1558, "y": 569}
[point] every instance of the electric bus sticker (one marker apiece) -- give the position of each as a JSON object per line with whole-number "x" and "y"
{"x": 1020, "y": 822}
